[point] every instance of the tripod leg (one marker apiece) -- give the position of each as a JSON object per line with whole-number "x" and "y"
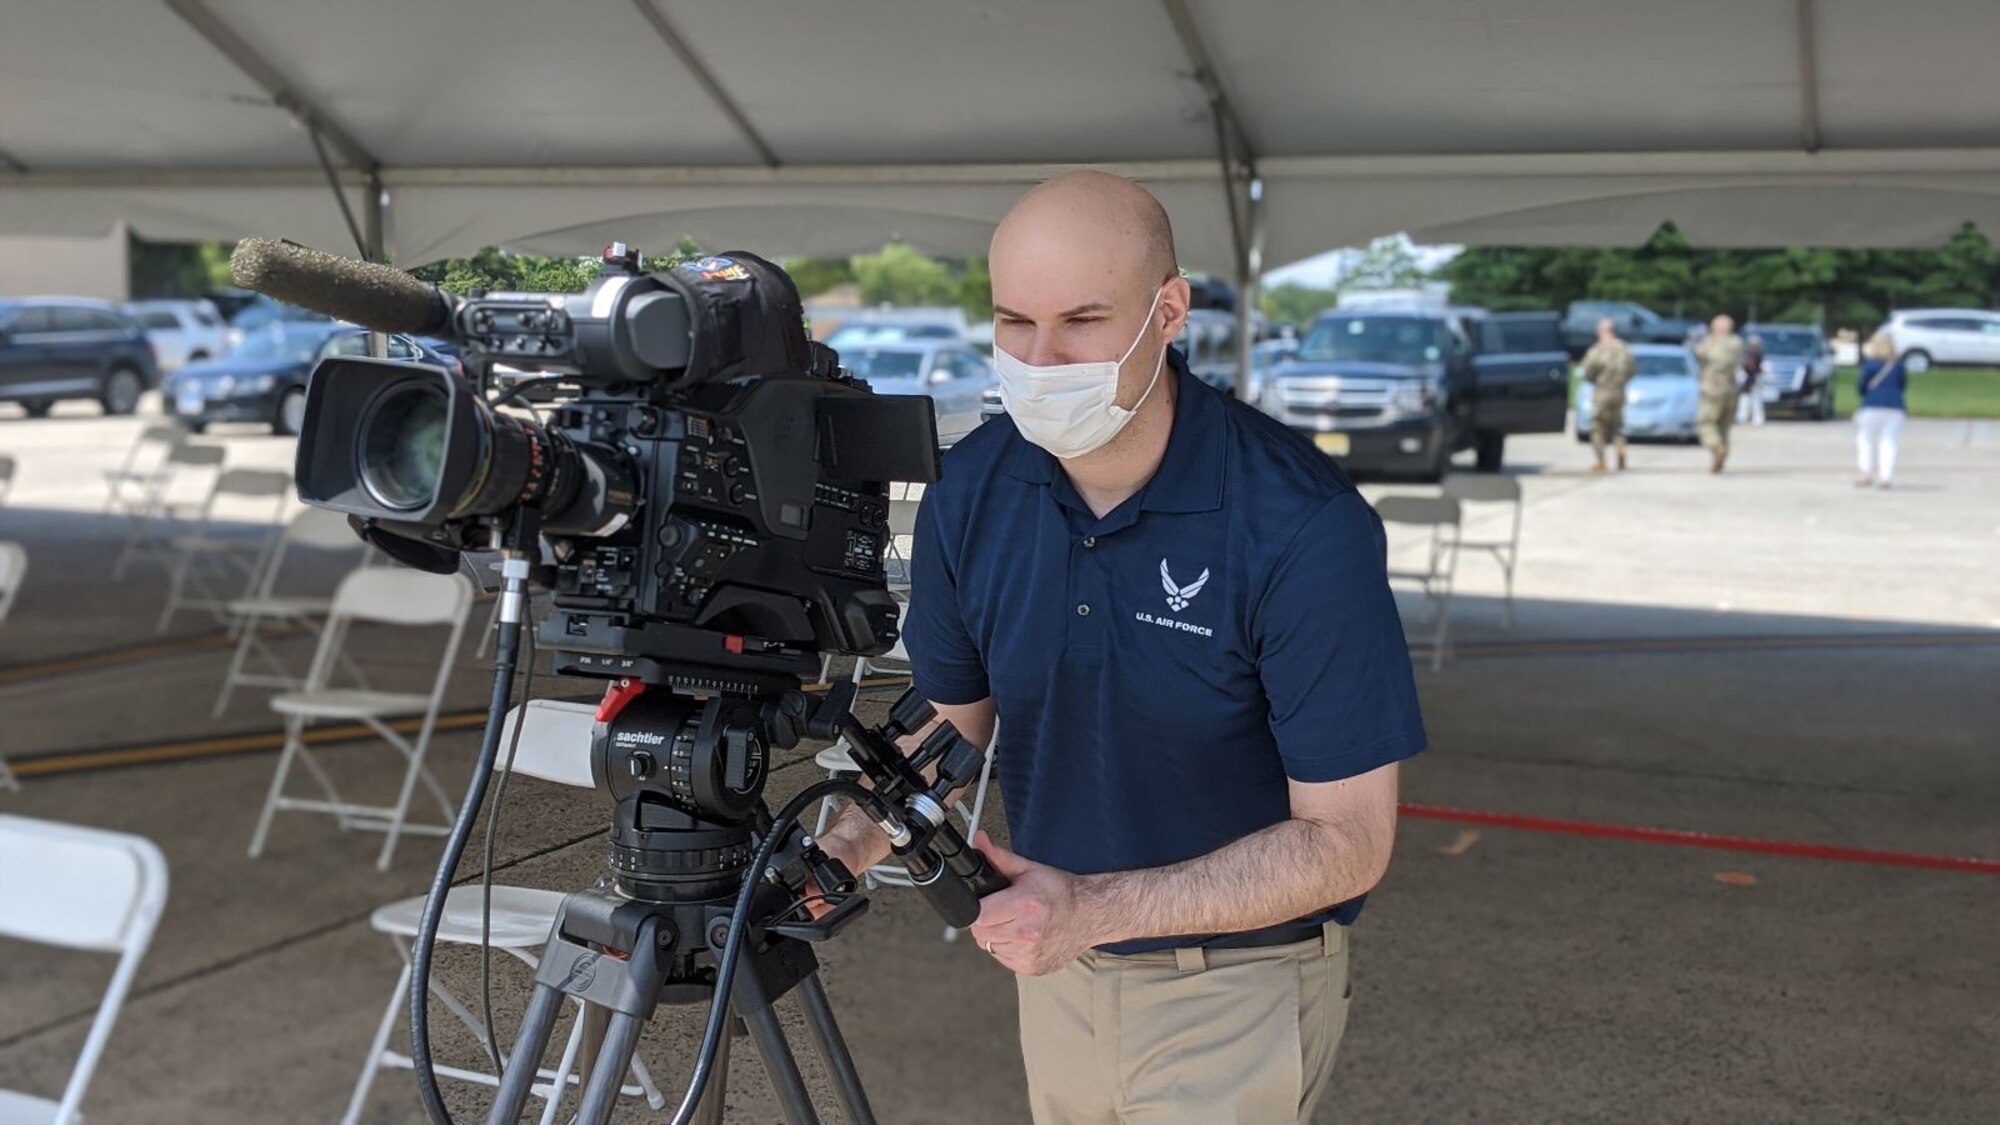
{"x": 708, "y": 1111}
{"x": 833, "y": 1049}
{"x": 524, "y": 1065}
{"x": 782, "y": 1067}
{"x": 614, "y": 1059}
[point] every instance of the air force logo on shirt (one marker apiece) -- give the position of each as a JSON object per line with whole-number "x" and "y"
{"x": 1178, "y": 597}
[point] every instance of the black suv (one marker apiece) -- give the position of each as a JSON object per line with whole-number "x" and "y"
{"x": 54, "y": 348}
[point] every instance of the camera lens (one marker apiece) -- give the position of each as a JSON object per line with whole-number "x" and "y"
{"x": 402, "y": 445}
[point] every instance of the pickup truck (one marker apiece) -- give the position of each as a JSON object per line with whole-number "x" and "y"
{"x": 1636, "y": 324}
{"x": 1399, "y": 392}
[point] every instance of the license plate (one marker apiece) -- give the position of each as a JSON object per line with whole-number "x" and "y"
{"x": 189, "y": 402}
{"x": 1336, "y": 445}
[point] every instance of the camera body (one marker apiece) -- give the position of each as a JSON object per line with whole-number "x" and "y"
{"x": 710, "y": 486}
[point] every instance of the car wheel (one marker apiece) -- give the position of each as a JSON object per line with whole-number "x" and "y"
{"x": 197, "y": 357}
{"x": 1916, "y": 361}
{"x": 1825, "y": 411}
{"x": 194, "y": 427}
{"x": 1489, "y": 449}
{"x": 291, "y": 413}
{"x": 122, "y": 389}
{"x": 37, "y": 407}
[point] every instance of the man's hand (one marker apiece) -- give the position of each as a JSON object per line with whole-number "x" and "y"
{"x": 1040, "y": 923}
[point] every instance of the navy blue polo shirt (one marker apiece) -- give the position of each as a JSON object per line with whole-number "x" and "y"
{"x": 1159, "y": 673}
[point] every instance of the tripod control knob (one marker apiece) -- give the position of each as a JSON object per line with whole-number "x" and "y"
{"x": 641, "y": 764}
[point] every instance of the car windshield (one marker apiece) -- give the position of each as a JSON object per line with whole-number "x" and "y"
{"x": 1789, "y": 341}
{"x": 1374, "y": 339}
{"x": 883, "y": 363}
{"x": 293, "y": 343}
{"x": 1666, "y": 365}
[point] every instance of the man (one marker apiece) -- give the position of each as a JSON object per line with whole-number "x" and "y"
{"x": 1721, "y": 354}
{"x": 1607, "y": 367}
{"x": 1177, "y": 611}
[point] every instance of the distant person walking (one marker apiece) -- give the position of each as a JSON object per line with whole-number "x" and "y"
{"x": 1749, "y": 403}
{"x": 1880, "y": 420}
{"x": 1721, "y": 354}
{"x": 1607, "y": 367}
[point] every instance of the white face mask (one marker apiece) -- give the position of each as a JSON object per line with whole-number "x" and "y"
{"x": 1071, "y": 409}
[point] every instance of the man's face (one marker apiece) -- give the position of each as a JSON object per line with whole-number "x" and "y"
{"x": 1058, "y": 302}
{"x": 1605, "y": 329}
{"x": 1722, "y": 326}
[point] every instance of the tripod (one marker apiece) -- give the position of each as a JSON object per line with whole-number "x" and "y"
{"x": 662, "y": 941}
{"x": 703, "y": 870}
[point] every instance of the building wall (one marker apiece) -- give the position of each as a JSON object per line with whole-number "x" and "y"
{"x": 69, "y": 267}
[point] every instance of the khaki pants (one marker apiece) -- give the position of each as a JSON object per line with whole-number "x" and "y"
{"x": 1187, "y": 1037}
{"x": 1712, "y": 419}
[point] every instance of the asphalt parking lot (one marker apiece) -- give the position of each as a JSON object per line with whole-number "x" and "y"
{"x": 1706, "y": 834}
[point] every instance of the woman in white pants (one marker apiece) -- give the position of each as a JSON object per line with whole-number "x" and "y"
{"x": 1880, "y": 419}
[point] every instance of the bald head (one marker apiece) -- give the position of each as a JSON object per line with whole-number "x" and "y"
{"x": 1120, "y": 223}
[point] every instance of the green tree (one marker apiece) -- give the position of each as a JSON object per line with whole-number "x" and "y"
{"x": 900, "y": 275}
{"x": 494, "y": 269}
{"x": 176, "y": 269}
{"x": 1389, "y": 262}
{"x": 1292, "y": 303}
{"x": 975, "y": 289}
{"x": 814, "y": 276}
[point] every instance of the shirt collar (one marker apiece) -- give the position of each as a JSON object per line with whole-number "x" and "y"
{"x": 1190, "y": 477}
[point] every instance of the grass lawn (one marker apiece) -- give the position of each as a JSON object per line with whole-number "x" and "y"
{"x": 1941, "y": 392}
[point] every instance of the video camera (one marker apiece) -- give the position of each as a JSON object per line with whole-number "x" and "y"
{"x": 706, "y": 495}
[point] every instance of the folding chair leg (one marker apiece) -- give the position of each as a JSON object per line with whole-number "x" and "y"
{"x": 7, "y": 779}
{"x": 174, "y": 587}
{"x": 244, "y": 640}
{"x": 376, "y": 1047}
{"x": 294, "y": 743}
{"x": 416, "y": 754}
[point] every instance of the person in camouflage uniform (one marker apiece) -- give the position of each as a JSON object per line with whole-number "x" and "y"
{"x": 1721, "y": 354}
{"x": 1607, "y": 367}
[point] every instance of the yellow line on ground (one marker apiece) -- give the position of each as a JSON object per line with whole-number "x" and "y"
{"x": 146, "y": 650}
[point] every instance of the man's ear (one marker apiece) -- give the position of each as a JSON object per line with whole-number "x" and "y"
{"x": 1175, "y": 301}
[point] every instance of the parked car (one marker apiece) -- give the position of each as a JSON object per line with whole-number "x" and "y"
{"x": 950, "y": 372}
{"x": 264, "y": 378}
{"x": 53, "y": 348}
{"x": 263, "y": 311}
{"x": 1660, "y": 401}
{"x": 897, "y": 326}
{"x": 1798, "y": 368}
{"x": 1946, "y": 337}
{"x": 1636, "y": 324}
{"x": 181, "y": 332}
{"x": 1399, "y": 392}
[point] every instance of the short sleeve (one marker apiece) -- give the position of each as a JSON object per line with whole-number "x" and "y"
{"x": 944, "y": 663}
{"x": 1330, "y": 650}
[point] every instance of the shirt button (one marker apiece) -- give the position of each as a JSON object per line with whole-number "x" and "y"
{"x": 1083, "y": 610}
{"x": 1090, "y": 542}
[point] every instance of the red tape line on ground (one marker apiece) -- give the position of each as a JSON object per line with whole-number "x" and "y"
{"x": 1686, "y": 839}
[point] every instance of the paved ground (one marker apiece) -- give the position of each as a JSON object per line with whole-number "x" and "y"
{"x": 1773, "y": 655}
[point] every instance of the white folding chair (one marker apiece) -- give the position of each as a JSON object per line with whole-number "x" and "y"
{"x": 6, "y": 478}
{"x": 838, "y": 761}
{"x": 554, "y": 746}
{"x": 78, "y": 888}
{"x": 314, "y": 528}
{"x": 387, "y": 596}
{"x": 902, "y": 529}
{"x": 1488, "y": 488}
{"x": 150, "y": 514}
{"x": 145, "y": 465}
{"x": 1437, "y": 513}
{"x": 13, "y": 571}
{"x": 222, "y": 555}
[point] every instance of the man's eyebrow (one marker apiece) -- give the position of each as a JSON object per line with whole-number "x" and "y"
{"x": 1094, "y": 306}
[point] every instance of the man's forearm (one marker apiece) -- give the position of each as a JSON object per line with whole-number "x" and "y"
{"x": 1286, "y": 871}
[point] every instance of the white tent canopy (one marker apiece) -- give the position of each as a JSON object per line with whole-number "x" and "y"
{"x": 824, "y": 128}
